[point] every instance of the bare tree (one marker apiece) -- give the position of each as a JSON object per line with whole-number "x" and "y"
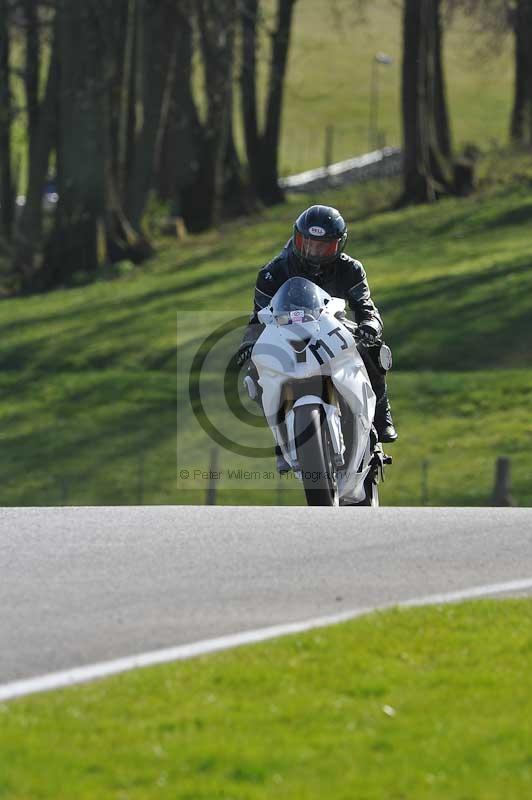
{"x": 495, "y": 19}
{"x": 197, "y": 165}
{"x": 6, "y": 113}
{"x": 217, "y": 25}
{"x": 428, "y": 170}
{"x": 179, "y": 168}
{"x": 262, "y": 147}
{"x": 157, "y": 43}
{"x": 40, "y": 127}
{"x": 117, "y": 115}
{"x": 520, "y": 18}
{"x": 91, "y": 226}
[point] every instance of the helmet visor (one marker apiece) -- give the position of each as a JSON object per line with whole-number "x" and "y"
{"x": 314, "y": 250}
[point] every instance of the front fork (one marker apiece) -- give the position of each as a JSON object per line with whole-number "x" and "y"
{"x": 334, "y": 426}
{"x": 379, "y": 460}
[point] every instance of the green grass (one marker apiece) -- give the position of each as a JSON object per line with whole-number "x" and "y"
{"x": 424, "y": 704}
{"x": 87, "y": 381}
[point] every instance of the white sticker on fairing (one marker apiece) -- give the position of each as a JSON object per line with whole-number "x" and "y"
{"x": 316, "y": 231}
{"x": 297, "y": 316}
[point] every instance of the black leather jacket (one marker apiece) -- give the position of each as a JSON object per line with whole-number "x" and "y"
{"x": 345, "y": 278}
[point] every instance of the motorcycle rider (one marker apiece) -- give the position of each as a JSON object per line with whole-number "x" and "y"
{"x": 315, "y": 252}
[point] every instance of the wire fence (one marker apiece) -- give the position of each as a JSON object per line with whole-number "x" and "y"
{"x": 501, "y": 495}
{"x": 142, "y": 486}
{"x": 310, "y": 149}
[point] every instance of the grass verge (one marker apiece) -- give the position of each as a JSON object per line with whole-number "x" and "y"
{"x": 404, "y": 705}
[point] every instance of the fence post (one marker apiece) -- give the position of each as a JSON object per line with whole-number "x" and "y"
{"x": 503, "y": 483}
{"x": 280, "y": 491}
{"x": 140, "y": 495}
{"x": 425, "y": 482}
{"x": 210, "y": 499}
{"x": 63, "y": 485}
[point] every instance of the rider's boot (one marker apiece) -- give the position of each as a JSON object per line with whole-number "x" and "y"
{"x": 383, "y": 421}
{"x": 281, "y": 464}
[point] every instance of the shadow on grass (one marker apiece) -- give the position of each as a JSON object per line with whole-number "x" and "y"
{"x": 519, "y": 215}
{"x": 465, "y": 321}
{"x": 109, "y": 335}
{"x": 171, "y": 293}
{"x": 98, "y": 442}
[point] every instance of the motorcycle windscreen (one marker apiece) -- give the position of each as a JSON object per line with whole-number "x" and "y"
{"x": 298, "y": 300}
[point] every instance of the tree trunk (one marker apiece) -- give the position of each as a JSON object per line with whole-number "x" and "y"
{"x": 248, "y": 85}
{"x": 181, "y": 143}
{"x": 238, "y": 196}
{"x": 521, "y": 121}
{"x": 81, "y": 143}
{"x": 269, "y": 189}
{"x": 32, "y": 64}
{"x": 262, "y": 148}
{"x": 216, "y": 20}
{"x": 121, "y": 51}
{"x": 197, "y": 165}
{"x": 415, "y": 156}
{"x": 6, "y": 179}
{"x": 158, "y": 25}
{"x": 427, "y": 165}
{"x": 91, "y": 228}
{"x": 440, "y": 95}
{"x": 41, "y": 133}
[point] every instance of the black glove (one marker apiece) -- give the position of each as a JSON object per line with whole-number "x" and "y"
{"x": 346, "y": 322}
{"x": 244, "y": 354}
{"x": 368, "y": 335}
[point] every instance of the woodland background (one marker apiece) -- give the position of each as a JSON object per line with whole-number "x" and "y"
{"x": 111, "y": 103}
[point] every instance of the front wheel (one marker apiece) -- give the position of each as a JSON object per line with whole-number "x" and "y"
{"x": 314, "y": 455}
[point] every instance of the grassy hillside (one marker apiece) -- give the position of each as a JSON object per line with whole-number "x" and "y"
{"x": 88, "y": 375}
{"x": 329, "y": 79}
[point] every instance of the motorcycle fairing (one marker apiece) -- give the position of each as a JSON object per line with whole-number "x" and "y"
{"x": 331, "y": 350}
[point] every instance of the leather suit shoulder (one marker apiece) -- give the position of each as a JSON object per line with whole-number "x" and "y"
{"x": 274, "y": 273}
{"x": 269, "y": 279}
{"x": 348, "y": 265}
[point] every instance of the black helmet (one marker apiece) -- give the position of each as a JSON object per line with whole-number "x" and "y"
{"x": 319, "y": 237}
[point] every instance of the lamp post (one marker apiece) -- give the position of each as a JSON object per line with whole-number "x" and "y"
{"x": 380, "y": 58}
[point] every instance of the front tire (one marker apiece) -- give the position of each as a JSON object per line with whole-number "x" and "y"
{"x": 314, "y": 455}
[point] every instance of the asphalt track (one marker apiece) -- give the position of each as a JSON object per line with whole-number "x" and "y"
{"x": 80, "y": 586}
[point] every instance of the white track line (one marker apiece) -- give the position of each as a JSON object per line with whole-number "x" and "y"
{"x": 70, "y": 677}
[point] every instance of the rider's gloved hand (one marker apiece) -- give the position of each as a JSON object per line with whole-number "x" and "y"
{"x": 244, "y": 354}
{"x": 342, "y": 317}
{"x": 368, "y": 335}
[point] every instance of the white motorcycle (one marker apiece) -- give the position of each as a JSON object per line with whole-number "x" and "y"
{"x": 317, "y": 397}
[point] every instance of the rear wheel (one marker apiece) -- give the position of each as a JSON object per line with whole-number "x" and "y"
{"x": 314, "y": 455}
